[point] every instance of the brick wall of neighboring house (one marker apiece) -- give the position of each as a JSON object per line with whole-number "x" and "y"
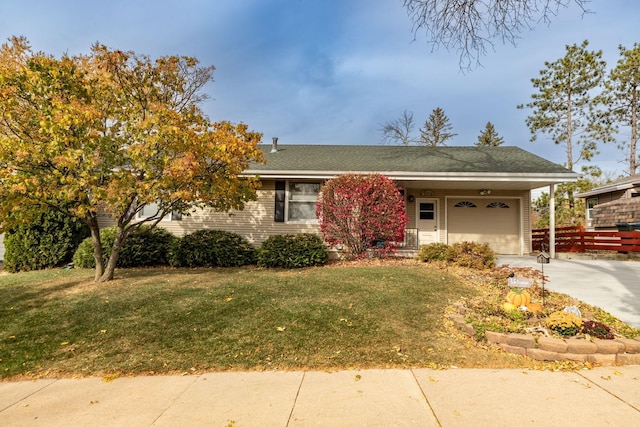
{"x": 607, "y": 215}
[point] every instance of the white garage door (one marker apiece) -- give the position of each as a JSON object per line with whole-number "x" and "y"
{"x": 485, "y": 220}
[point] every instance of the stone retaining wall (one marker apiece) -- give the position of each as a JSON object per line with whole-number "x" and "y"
{"x": 619, "y": 351}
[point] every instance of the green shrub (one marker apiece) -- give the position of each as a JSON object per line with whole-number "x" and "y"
{"x": 471, "y": 254}
{"x": 481, "y": 327}
{"x": 83, "y": 258}
{"x": 49, "y": 241}
{"x": 211, "y": 248}
{"x": 433, "y": 252}
{"x": 293, "y": 251}
{"x": 146, "y": 247}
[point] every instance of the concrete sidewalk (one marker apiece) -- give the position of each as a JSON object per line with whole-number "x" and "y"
{"x": 417, "y": 397}
{"x": 613, "y": 286}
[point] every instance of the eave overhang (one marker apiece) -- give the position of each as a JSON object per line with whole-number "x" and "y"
{"x": 445, "y": 180}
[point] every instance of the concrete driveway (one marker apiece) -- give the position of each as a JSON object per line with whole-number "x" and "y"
{"x": 613, "y": 286}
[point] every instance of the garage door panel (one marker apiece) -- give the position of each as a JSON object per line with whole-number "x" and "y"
{"x": 500, "y": 243}
{"x": 491, "y": 221}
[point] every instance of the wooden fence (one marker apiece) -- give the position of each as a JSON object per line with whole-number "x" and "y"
{"x": 575, "y": 239}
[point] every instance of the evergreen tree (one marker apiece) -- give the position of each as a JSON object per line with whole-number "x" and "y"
{"x": 567, "y": 215}
{"x": 489, "y": 137}
{"x": 564, "y": 108}
{"x": 623, "y": 88}
{"x": 437, "y": 129}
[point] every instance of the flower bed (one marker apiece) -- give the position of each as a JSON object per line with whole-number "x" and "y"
{"x": 556, "y": 327}
{"x": 621, "y": 351}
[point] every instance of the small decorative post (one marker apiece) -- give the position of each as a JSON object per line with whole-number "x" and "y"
{"x": 543, "y": 258}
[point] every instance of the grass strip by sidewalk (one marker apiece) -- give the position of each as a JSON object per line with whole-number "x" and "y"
{"x": 152, "y": 321}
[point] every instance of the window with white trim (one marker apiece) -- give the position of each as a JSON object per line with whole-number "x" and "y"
{"x": 151, "y": 209}
{"x": 301, "y": 201}
{"x": 591, "y": 203}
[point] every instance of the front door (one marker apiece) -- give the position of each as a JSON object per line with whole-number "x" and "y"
{"x": 427, "y": 221}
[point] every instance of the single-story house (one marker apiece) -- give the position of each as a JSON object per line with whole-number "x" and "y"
{"x": 613, "y": 204}
{"x": 452, "y": 194}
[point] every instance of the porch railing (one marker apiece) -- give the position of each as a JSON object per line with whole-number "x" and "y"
{"x": 410, "y": 239}
{"x": 575, "y": 239}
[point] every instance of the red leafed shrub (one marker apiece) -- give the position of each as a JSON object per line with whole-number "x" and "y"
{"x": 362, "y": 212}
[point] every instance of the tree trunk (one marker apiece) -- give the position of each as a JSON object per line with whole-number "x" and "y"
{"x": 92, "y": 221}
{"x": 110, "y": 268}
{"x": 633, "y": 165}
{"x": 570, "y": 153}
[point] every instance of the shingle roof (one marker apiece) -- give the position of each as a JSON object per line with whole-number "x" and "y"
{"x": 617, "y": 185}
{"x": 426, "y": 160}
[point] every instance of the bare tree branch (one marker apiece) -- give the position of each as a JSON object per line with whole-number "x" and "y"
{"x": 471, "y": 26}
{"x": 398, "y": 131}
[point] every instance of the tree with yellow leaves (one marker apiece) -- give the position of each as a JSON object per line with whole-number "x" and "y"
{"x": 111, "y": 132}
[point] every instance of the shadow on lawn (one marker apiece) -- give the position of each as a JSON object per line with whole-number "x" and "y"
{"x": 35, "y": 294}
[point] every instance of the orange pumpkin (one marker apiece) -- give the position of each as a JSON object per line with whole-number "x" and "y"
{"x": 534, "y": 307}
{"x": 519, "y": 297}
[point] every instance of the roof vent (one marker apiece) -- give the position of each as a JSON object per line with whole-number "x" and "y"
{"x": 274, "y": 146}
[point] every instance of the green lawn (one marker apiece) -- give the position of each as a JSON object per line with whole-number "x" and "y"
{"x": 60, "y": 323}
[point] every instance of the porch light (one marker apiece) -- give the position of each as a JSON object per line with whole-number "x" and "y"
{"x": 411, "y": 199}
{"x": 485, "y": 192}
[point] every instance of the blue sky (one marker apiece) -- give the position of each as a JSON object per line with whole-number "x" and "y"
{"x": 331, "y": 71}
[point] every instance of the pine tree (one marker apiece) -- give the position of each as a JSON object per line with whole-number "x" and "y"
{"x": 565, "y": 109}
{"x": 489, "y": 137}
{"x": 623, "y": 87}
{"x": 437, "y": 129}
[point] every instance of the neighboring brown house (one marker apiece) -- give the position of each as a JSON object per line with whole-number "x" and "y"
{"x": 451, "y": 194}
{"x": 613, "y": 205}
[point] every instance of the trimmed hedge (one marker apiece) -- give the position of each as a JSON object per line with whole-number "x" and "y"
{"x": 473, "y": 255}
{"x": 145, "y": 248}
{"x": 464, "y": 254}
{"x": 293, "y": 251}
{"x": 433, "y": 252}
{"x": 48, "y": 242}
{"x": 212, "y": 248}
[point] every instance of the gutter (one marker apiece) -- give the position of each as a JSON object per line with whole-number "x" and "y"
{"x": 418, "y": 176}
